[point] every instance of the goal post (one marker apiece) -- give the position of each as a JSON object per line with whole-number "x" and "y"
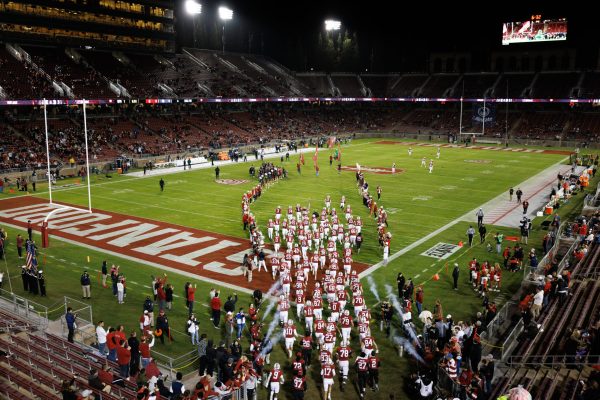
{"x": 45, "y": 233}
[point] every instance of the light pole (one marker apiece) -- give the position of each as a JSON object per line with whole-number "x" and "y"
{"x": 225, "y": 14}
{"x": 332, "y": 26}
{"x": 193, "y": 8}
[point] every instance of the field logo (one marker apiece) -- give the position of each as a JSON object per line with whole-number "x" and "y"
{"x": 441, "y": 251}
{"x": 231, "y": 181}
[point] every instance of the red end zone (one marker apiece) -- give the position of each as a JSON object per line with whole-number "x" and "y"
{"x": 207, "y": 256}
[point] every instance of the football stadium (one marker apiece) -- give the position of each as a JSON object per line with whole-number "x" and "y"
{"x": 263, "y": 201}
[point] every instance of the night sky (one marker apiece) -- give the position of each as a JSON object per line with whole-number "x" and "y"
{"x": 398, "y": 35}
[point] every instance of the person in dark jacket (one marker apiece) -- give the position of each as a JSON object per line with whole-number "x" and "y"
{"x": 455, "y": 273}
{"x": 400, "y": 280}
{"x": 70, "y": 318}
{"x": 134, "y": 347}
{"x": 162, "y": 324}
{"x": 230, "y": 303}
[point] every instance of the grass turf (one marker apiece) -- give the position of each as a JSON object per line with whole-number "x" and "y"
{"x": 417, "y": 203}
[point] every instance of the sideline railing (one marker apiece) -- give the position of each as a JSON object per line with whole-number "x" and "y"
{"x": 501, "y": 316}
{"x": 554, "y": 361}
{"x": 24, "y": 307}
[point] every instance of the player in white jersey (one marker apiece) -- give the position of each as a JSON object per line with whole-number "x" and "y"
{"x": 410, "y": 151}
{"x": 438, "y": 152}
{"x": 423, "y": 162}
{"x": 430, "y": 166}
{"x": 393, "y": 168}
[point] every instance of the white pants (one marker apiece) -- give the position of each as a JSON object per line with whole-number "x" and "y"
{"x": 275, "y": 387}
{"x": 309, "y": 323}
{"x": 270, "y": 233}
{"x": 343, "y": 364}
{"x": 262, "y": 263}
{"x": 346, "y": 334}
{"x": 329, "y": 347}
{"x": 283, "y": 316}
{"x": 289, "y": 343}
{"x": 335, "y": 316}
{"x": 357, "y": 309}
{"x": 327, "y": 386}
{"x": 277, "y": 246}
{"x": 299, "y": 309}
{"x": 318, "y": 313}
{"x": 120, "y": 297}
{"x": 319, "y": 337}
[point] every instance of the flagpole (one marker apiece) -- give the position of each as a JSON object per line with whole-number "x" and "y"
{"x": 7, "y": 270}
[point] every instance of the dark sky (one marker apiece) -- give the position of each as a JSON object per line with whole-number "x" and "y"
{"x": 396, "y": 28}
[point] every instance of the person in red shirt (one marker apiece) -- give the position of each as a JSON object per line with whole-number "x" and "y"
{"x": 374, "y": 364}
{"x": 124, "y": 358}
{"x": 327, "y": 372}
{"x": 343, "y": 354}
{"x": 145, "y": 347}
{"x": 215, "y": 305}
{"x": 191, "y": 293}
{"x": 275, "y": 379}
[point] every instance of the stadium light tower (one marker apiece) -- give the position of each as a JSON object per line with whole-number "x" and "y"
{"x": 225, "y": 14}
{"x": 194, "y": 9}
{"x": 332, "y": 25}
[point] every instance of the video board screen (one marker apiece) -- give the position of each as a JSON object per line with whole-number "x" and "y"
{"x": 534, "y": 31}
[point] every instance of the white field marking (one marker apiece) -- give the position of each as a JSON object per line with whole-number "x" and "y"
{"x": 135, "y": 283}
{"x": 450, "y": 224}
{"x": 62, "y": 259}
{"x": 417, "y": 276}
{"x": 426, "y": 269}
{"x": 448, "y": 187}
{"x": 122, "y": 191}
{"x": 432, "y": 265}
{"x": 422, "y": 198}
{"x": 150, "y": 263}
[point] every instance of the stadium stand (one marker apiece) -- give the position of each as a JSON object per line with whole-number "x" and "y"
{"x": 348, "y": 85}
{"x": 407, "y": 84}
{"x": 437, "y": 85}
{"x": 555, "y": 85}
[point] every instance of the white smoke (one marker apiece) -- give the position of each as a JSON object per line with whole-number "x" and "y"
{"x": 373, "y": 287}
{"x": 398, "y": 307}
{"x": 406, "y": 344}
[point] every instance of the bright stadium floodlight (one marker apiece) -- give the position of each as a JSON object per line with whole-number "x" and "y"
{"x": 192, "y": 7}
{"x": 225, "y": 13}
{"x": 332, "y": 25}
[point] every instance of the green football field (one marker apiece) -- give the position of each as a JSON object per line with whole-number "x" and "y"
{"x": 417, "y": 202}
